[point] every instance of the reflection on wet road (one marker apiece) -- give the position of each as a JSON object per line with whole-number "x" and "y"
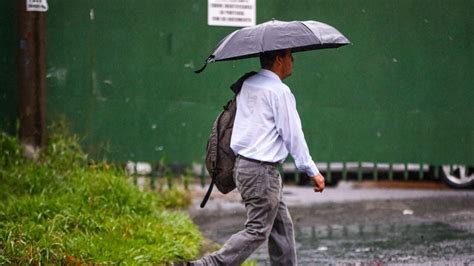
{"x": 424, "y": 230}
{"x": 408, "y": 243}
{"x": 383, "y": 243}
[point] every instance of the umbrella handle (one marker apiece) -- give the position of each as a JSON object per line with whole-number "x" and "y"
{"x": 201, "y": 69}
{"x": 210, "y": 59}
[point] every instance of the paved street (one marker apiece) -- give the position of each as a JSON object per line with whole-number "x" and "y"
{"x": 407, "y": 222}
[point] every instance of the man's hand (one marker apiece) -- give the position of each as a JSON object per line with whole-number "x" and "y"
{"x": 318, "y": 183}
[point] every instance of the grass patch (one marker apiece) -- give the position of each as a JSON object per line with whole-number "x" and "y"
{"x": 63, "y": 208}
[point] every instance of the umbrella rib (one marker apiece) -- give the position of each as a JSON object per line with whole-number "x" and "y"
{"x": 263, "y": 37}
{"x": 319, "y": 36}
{"x": 223, "y": 42}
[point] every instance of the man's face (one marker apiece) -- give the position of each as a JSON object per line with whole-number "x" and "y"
{"x": 287, "y": 64}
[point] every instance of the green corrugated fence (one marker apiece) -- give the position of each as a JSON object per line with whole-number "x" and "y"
{"x": 122, "y": 73}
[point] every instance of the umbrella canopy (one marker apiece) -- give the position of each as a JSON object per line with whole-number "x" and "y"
{"x": 275, "y": 35}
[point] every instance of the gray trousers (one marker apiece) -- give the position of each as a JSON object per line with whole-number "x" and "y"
{"x": 260, "y": 186}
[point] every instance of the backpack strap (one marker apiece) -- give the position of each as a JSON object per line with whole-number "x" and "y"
{"x": 208, "y": 194}
{"x": 237, "y": 86}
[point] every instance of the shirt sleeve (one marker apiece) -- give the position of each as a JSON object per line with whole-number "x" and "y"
{"x": 288, "y": 125}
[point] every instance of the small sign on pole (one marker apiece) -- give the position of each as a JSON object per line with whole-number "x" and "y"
{"x": 234, "y": 13}
{"x": 37, "y": 5}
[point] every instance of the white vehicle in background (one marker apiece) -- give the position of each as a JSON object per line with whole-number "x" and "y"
{"x": 458, "y": 176}
{"x": 455, "y": 176}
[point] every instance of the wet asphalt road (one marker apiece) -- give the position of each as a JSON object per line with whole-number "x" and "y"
{"x": 356, "y": 223}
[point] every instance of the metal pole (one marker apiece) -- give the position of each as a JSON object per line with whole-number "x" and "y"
{"x": 41, "y": 76}
{"x": 31, "y": 76}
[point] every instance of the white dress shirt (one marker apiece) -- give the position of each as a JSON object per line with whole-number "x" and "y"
{"x": 267, "y": 125}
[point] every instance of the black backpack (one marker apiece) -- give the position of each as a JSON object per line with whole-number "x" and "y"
{"x": 220, "y": 158}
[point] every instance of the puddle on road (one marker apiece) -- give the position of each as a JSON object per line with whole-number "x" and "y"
{"x": 384, "y": 243}
{"x": 409, "y": 243}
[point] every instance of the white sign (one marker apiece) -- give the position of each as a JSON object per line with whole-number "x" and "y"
{"x": 235, "y": 13}
{"x": 37, "y": 5}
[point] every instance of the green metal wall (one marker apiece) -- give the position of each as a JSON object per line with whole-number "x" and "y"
{"x": 8, "y": 96}
{"x": 121, "y": 71}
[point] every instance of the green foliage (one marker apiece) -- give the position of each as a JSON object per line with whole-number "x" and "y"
{"x": 63, "y": 208}
{"x": 63, "y": 150}
{"x": 249, "y": 263}
{"x": 10, "y": 152}
{"x": 174, "y": 198}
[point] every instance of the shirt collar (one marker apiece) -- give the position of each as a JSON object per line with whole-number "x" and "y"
{"x": 269, "y": 73}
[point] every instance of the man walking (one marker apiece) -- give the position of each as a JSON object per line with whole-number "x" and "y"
{"x": 266, "y": 128}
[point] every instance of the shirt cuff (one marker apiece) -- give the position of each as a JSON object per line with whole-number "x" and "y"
{"x": 313, "y": 170}
{"x": 310, "y": 169}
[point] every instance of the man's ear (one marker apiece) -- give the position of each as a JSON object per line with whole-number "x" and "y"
{"x": 275, "y": 63}
{"x": 278, "y": 60}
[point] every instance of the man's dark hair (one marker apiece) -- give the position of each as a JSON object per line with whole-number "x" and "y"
{"x": 268, "y": 58}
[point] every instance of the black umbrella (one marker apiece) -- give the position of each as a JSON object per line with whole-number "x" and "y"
{"x": 276, "y": 35}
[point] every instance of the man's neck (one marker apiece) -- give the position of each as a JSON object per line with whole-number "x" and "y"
{"x": 279, "y": 71}
{"x": 275, "y": 71}
{"x": 271, "y": 74}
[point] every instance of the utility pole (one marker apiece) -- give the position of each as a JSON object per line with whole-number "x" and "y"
{"x": 31, "y": 78}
